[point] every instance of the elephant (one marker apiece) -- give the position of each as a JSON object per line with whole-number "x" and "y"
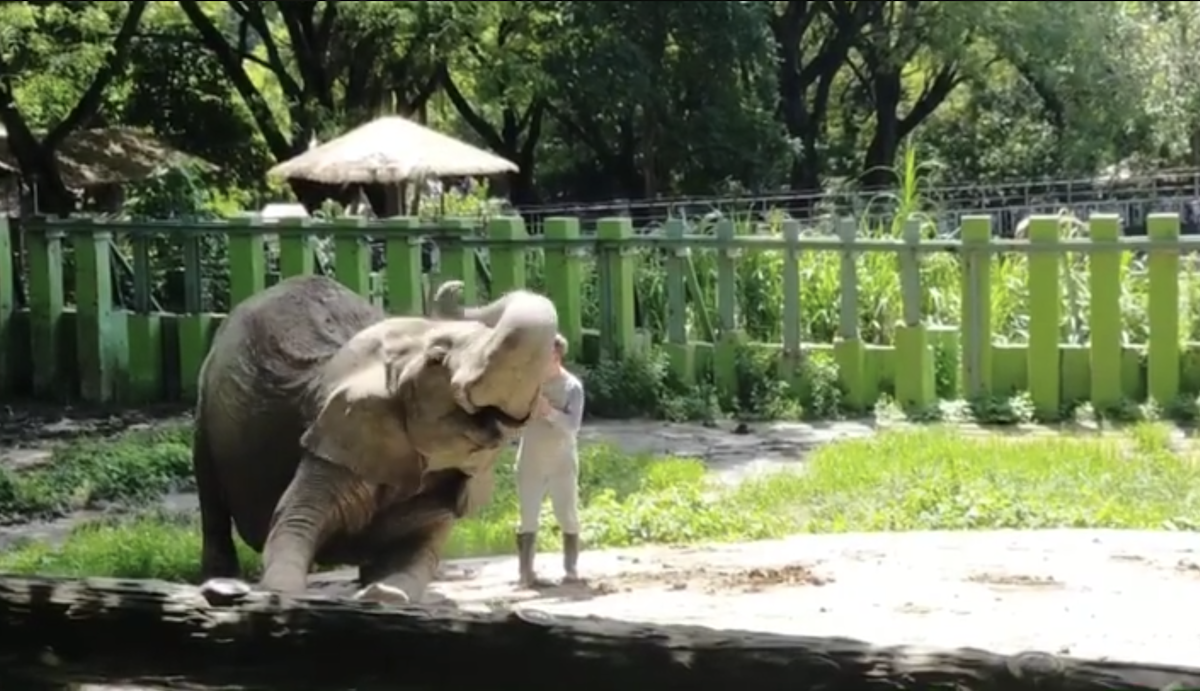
{"x": 327, "y": 432}
{"x": 449, "y": 298}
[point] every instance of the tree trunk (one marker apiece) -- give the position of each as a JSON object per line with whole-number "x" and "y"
{"x": 150, "y": 632}
{"x": 879, "y": 163}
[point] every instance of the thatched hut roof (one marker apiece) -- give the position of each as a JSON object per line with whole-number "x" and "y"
{"x": 391, "y": 149}
{"x": 108, "y": 155}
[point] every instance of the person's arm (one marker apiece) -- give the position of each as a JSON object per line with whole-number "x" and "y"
{"x": 570, "y": 418}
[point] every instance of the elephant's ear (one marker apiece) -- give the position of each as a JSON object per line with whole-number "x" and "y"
{"x": 361, "y": 427}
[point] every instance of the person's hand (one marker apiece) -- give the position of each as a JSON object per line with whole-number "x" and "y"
{"x": 543, "y": 407}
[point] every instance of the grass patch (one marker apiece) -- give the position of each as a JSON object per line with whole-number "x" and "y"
{"x": 941, "y": 479}
{"x": 925, "y": 479}
{"x": 130, "y": 468}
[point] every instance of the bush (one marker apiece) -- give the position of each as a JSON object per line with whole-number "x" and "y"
{"x": 643, "y": 386}
{"x": 131, "y": 468}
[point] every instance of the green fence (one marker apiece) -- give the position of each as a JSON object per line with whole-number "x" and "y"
{"x": 85, "y": 343}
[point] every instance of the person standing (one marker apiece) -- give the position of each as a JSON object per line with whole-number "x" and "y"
{"x": 548, "y": 462}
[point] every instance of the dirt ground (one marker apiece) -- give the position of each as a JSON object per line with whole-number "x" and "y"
{"x": 1121, "y": 595}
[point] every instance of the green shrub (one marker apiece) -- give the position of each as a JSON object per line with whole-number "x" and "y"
{"x": 134, "y": 467}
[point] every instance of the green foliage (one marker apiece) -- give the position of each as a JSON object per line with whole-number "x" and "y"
{"x": 642, "y": 385}
{"x": 632, "y": 100}
{"x": 132, "y": 468}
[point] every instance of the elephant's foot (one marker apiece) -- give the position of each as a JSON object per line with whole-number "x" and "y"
{"x": 284, "y": 579}
{"x": 383, "y": 594}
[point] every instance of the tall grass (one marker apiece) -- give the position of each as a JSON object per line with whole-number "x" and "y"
{"x": 880, "y": 308}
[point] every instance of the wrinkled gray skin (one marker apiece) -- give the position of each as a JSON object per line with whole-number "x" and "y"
{"x": 327, "y": 432}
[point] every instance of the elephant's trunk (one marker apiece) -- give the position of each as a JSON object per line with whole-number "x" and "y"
{"x": 505, "y": 370}
{"x": 322, "y": 498}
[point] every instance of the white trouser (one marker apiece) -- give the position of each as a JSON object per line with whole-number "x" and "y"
{"x": 558, "y": 475}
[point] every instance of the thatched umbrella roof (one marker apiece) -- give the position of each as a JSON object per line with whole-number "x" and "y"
{"x": 391, "y": 150}
{"x": 108, "y": 155}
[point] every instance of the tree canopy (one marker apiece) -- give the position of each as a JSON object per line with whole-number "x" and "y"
{"x": 596, "y": 100}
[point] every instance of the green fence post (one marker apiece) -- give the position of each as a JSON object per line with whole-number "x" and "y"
{"x": 195, "y": 325}
{"x": 247, "y": 259}
{"x": 1045, "y": 304}
{"x": 352, "y": 254}
{"x": 8, "y": 311}
{"x": 146, "y": 374}
{"x": 976, "y": 307}
{"x": 100, "y": 332}
{"x": 617, "y": 234}
{"x": 848, "y": 348}
{"x": 403, "y": 253}
{"x": 681, "y": 354}
{"x": 1162, "y": 361}
{"x": 44, "y": 248}
{"x": 506, "y": 252}
{"x": 456, "y": 261}
{"x": 564, "y": 280}
{"x": 297, "y": 248}
{"x": 914, "y": 360}
{"x": 730, "y": 337}
{"x": 790, "y": 364}
{"x": 1104, "y": 315}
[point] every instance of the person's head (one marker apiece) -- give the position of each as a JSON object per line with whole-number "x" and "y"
{"x": 560, "y": 353}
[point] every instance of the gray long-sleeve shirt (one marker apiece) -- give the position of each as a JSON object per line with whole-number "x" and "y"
{"x": 554, "y": 438}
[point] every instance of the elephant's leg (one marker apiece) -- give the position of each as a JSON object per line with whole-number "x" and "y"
{"x": 406, "y": 540}
{"x": 405, "y": 568}
{"x": 322, "y": 500}
{"x": 218, "y": 555}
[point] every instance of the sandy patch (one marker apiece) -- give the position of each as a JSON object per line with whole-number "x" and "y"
{"x": 1128, "y": 595}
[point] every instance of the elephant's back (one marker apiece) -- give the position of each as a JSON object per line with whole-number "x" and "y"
{"x": 255, "y": 383}
{"x": 287, "y": 330}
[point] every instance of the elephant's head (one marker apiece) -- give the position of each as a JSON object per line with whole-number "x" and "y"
{"x": 496, "y": 372}
{"x": 410, "y": 394}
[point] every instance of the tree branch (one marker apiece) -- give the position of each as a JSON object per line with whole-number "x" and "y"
{"x": 252, "y": 15}
{"x": 947, "y": 80}
{"x": 534, "y": 118}
{"x": 476, "y": 121}
{"x": 281, "y": 147}
{"x": 89, "y": 103}
{"x": 298, "y": 18}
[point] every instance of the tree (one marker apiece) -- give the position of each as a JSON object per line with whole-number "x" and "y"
{"x": 313, "y": 53}
{"x": 501, "y": 66}
{"x": 37, "y": 37}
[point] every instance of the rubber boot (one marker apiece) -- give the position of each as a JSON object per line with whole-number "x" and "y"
{"x": 570, "y": 557}
{"x": 526, "y": 546}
